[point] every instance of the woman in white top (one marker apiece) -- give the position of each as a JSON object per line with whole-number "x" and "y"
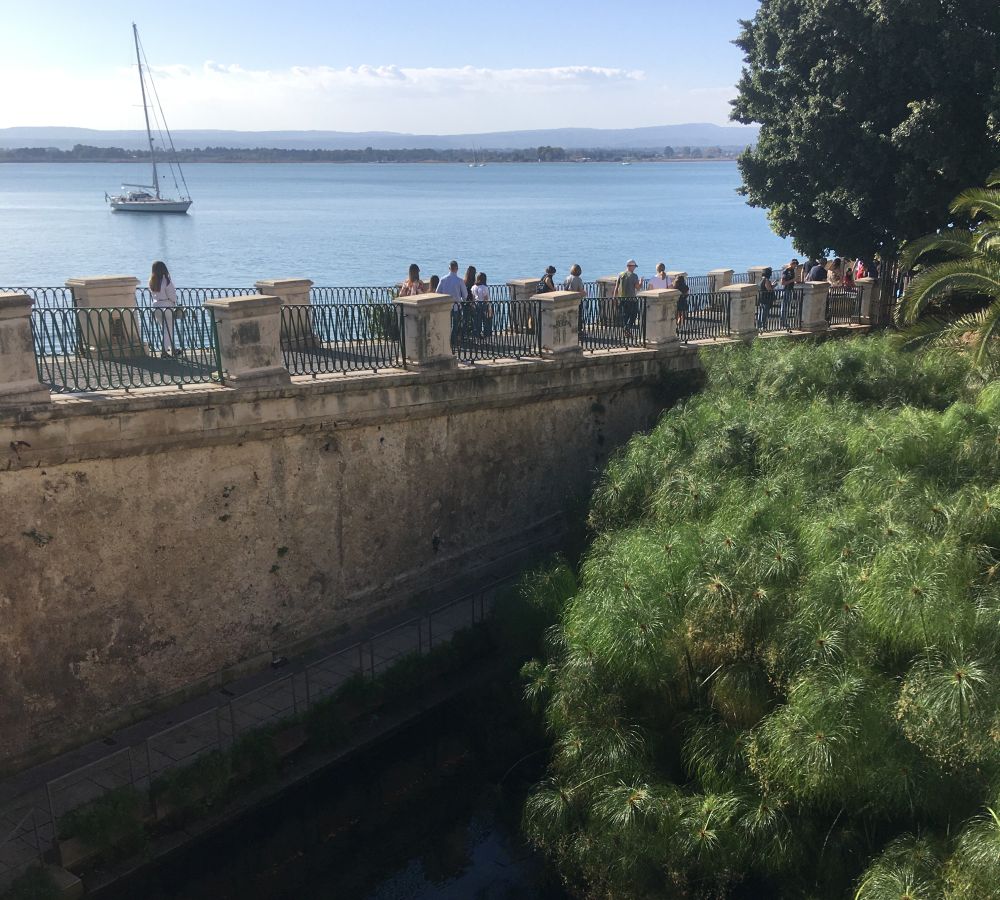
{"x": 660, "y": 281}
{"x": 164, "y": 303}
{"x": 480, "y": 296}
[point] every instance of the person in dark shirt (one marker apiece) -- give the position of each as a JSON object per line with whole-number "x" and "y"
{"x": 788, "y": 291}
{"x": 818, "y": 272}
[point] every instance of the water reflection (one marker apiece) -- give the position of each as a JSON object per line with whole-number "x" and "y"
{"x": 420, "y": 817}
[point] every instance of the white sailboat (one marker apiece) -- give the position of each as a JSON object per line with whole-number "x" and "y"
{"x": 149, "y": 197}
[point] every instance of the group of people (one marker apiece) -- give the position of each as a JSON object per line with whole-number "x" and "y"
{"x": 471, "y": 310}
{"x": 838, "y": 273}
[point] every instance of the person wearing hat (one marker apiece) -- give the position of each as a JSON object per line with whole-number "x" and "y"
{"x": 545, "y": 283}
{"x": 626, "y": 288}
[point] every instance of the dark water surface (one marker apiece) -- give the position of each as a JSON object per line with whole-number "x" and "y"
{"x": 363, "y": 224}
{"x": 431, "y": 814}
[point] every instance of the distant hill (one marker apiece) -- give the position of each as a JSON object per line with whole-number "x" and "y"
{"x": 656, "y": 136}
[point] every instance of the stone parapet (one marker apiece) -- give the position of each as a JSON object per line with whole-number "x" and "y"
{"x": 103, "y": 291}
{"x": 19, "y": 384}
{"x": 249, "y": 330}
{"x": 560, "y": 321}
{"x": 427, "y": 331}
{"x": 661, "y": 319}
{"x": 718, "y": 279}
{"x": 606, "y": 285}
{"x": 290, "y": 291}
{"x": 522, "y": 288}
{"x": 868, "y": 288}
{"x": 814, "y": 295}
{"x": 742, "y": 310}
{"x": 757, "y": 272}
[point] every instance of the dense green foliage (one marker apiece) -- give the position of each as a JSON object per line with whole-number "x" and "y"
{"x": 873, "y": 113}
{"x": 970, "y": 270}
{"x": 780, "y": 670}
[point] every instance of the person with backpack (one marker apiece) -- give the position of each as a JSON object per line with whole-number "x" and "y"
{"x": 626, "y": 288}
{"x": 545, "y": 283}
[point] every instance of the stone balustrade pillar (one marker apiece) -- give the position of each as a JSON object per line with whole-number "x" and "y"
{"x": 115, "y": 334}
{"x": 742, "y": 311}
{"x": 718, "y": 279}
{"x": 19, "y": 384}
{"x": 814, "y": 294}
{"x": 523, "y": 288}
{"x": 868, "y": 287}
{"x": 560, "y": 321}
{"x": 427, "y": 329}
{"x": 290, "y": 291}
{"x": 101, "y": 291}
{"x": 249, "y": 330}
{"x": 661, "y": 318}
{"x": 757, "y": 272}
{"x": 606, "y": 285}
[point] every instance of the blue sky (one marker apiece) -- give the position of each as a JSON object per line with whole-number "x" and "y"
{"x": 429, "y": 67}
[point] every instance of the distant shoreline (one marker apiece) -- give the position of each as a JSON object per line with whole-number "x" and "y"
{"x": 343, "y": 162}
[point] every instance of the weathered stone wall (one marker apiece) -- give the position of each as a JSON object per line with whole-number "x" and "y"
{"x": 151, "y": 541}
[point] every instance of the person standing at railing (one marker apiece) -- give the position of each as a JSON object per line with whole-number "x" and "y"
{"x": 787, "y": 290}
{"x": 680, "y": 284}
{"x": 660, "y": 281}
{"x": 413, "y": 285}
{"x": 164, "y": 306}
{"x": 573, "y": 281}
{"x": 483, "y": 307}
{"x": 818, "y": 271}
{"x": 626, "y": 288}
{"x": 545, "y": 283}
{"x": 765, "y": 297}
{"x": 454, "y": 287}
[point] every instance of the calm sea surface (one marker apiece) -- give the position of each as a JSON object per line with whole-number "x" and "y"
{"x": 363, "y": 224}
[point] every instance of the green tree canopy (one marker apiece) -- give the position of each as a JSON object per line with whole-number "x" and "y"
{"x": 873, "y": 114}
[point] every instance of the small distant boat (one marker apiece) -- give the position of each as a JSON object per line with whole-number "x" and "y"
{"x": 149, "y": 197}
{"x": 476, "y": 163}
{"x": 627, "y": 161}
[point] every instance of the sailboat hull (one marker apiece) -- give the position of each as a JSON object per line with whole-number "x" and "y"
{"x": 151, "y": 206}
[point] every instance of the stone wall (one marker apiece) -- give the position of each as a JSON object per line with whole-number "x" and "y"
{"x": 152, "y": 543}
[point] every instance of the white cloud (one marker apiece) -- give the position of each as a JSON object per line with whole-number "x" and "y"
{"x": 359, "y": 98}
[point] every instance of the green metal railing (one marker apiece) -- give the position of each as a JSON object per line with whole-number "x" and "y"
{"x": 342, "y": 337}
{"x": 115, "y": 348}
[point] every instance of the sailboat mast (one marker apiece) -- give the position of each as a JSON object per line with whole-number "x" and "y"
{"x": 145, "y": 111}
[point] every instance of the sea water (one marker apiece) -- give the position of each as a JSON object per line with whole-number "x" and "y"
{"x": 343, "y": 224}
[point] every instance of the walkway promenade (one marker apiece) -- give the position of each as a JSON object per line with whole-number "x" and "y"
{"x": 101, "y": 334}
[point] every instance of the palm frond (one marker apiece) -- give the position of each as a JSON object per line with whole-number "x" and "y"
{"x": 954, "y": 241}
{"x": 978, "y": 201}
{"x": 960, "y": 276}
